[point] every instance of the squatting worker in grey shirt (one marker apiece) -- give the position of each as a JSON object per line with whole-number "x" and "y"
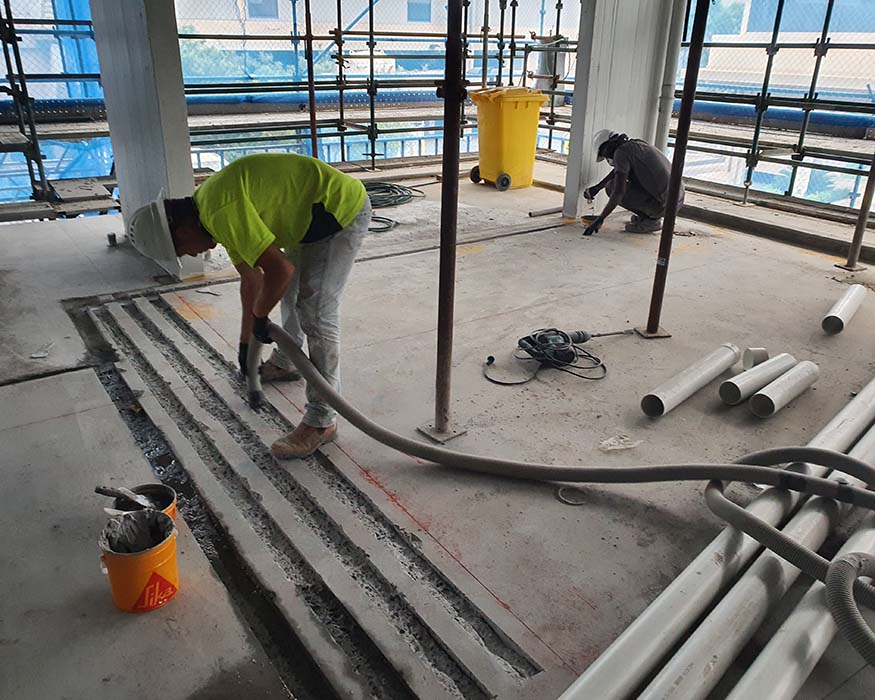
{"x": 638, "y": 182}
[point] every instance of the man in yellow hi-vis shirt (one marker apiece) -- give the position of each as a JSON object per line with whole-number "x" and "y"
{"x": 292, "y": 226}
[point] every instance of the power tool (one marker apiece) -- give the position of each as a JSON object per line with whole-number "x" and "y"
{"x": 555, "y": 348}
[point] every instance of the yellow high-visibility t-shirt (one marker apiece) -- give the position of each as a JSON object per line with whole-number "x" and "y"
{"x": 281, "y": 198}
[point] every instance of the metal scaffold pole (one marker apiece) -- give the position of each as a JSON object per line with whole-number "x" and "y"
{"x": 762, "y": 103}
{"x": 484, "y": 78}
{"x": 341, "y": 125}
{"x": 512, "y": 47}
{"x": 372, "y": 88}
{"x": 311, "y": 88}
{"x": 453, "y": 93}
{"x": 685, "y": 116}
{"x": 820, "y": 52}
{"x": 853, "y": 262}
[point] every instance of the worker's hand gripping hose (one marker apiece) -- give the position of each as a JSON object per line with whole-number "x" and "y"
{"x": 758, "y": 467}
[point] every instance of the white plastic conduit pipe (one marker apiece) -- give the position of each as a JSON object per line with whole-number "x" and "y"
{"x": 669, "y": 73}
{"x": 781, "y": 669}
{"x": 772, "y": 398}
{"x": 841, "y": 314}
{"x": 697, "y": 667}
{"x": 751, "y": 357}
{"x": 683, "y": 385}
{"x": 735, "y": 390}
{"x": 794, "y": 480}
{"x": 636, "y": 653}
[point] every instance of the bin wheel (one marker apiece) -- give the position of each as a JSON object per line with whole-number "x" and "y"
{"x": 502, "y": 182}
{"x": 475, "y": 174}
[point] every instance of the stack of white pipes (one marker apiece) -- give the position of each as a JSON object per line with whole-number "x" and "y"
{"x": 738, "y": 611}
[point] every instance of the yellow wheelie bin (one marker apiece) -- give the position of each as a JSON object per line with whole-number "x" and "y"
{"x": 507, "y": 129}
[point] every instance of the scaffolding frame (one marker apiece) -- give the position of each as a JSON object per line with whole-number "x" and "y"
{"x": 26, "y": 140}
{"x": 504, "y": 57}
{"x": 754, "y": 152}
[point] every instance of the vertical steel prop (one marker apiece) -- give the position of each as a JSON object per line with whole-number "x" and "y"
{"x": 694, "y": 58}
{"x": 853, "y": 262}
{"x": 453, "y": 93}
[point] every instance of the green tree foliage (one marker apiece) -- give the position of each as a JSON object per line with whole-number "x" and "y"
{"x": 210, "y": 59}
{"x": 725, "y": 17}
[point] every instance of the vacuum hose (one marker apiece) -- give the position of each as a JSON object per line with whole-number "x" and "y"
{"x": 842, "y": 576}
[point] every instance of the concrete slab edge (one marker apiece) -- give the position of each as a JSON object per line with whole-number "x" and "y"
{"x": 785, "y": 234}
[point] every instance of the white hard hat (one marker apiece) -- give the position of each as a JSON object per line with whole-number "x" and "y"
{"x": 149, "y": 231}
{"x": 602, "y": 136}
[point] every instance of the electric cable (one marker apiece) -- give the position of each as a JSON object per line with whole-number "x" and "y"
{"x": 381, "y": 224}
{"x": 842, "y": 574}
{"x": 388, "y": 194}
{"x": 555, "y": 349}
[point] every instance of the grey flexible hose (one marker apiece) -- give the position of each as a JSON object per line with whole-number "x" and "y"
{"x": 758, "y": 467}
{"x": 841, "y": 585}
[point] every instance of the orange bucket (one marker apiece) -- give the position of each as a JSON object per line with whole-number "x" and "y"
{"x": 162, "y": 496}
{"x": 138, "y": 550}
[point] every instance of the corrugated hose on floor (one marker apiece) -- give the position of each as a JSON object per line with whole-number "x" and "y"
{"x": 842, "y": 575}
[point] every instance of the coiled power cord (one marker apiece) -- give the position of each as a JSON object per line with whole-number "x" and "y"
{"x": 388, "y": 194}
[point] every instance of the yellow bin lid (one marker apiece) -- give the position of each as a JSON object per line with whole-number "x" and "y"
{"x": 507, "y": 92}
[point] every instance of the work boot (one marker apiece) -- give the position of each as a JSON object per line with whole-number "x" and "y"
{"x": 302, "y": 441}
{"x": 272, "y": 372}
{"x": 639, "y": 224}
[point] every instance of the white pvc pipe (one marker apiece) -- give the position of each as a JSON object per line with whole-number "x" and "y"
{"x": 683, "y": 385}
{"x": 751, "y": 357}
{"x": 781, "y": 669}
{"x": 735, "y": 390}
{"x": 841, "y": 314}
{"x": 634, "y": 655}
{"x": 669, "y": 73}
{"x": 772, "y": 398}
{"x": 710, "y": 650}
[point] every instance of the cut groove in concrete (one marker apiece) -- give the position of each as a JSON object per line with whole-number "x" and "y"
{"x": 512, "y": 659}
{"x": 380, "y": 593}
{"x": 382, "y": 680}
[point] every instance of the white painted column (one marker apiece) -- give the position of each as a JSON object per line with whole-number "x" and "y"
{"x": 580, "y": 166}
{"x": 620, "y": 59}
{"x": 141, "y": 75}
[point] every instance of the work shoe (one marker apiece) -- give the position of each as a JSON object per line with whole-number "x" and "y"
{"x": 271, "y": 372}
{"x": 641, "y": 225}
{"x": 302, "y": 441}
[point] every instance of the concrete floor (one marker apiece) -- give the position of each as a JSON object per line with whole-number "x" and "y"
{"x": 508, "y": 287}
{"x": 44, "y": 263}
{"x": 571, "y": 578}
{"x": 59, "y": 632}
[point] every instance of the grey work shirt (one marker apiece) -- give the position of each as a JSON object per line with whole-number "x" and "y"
{"x": 645, "y": 166}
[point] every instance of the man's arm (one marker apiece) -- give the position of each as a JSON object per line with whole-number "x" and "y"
{"x": 591, "y": 191}
{"x": 617, "y": 192}
{"x": 277, "y": 273}
{"x": 261, "y": 287}
{"x": 250, "y": 286}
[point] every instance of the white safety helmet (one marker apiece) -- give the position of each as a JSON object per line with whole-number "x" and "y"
{"x": 149, "y": 231}
{"x": 602, "y": 136}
